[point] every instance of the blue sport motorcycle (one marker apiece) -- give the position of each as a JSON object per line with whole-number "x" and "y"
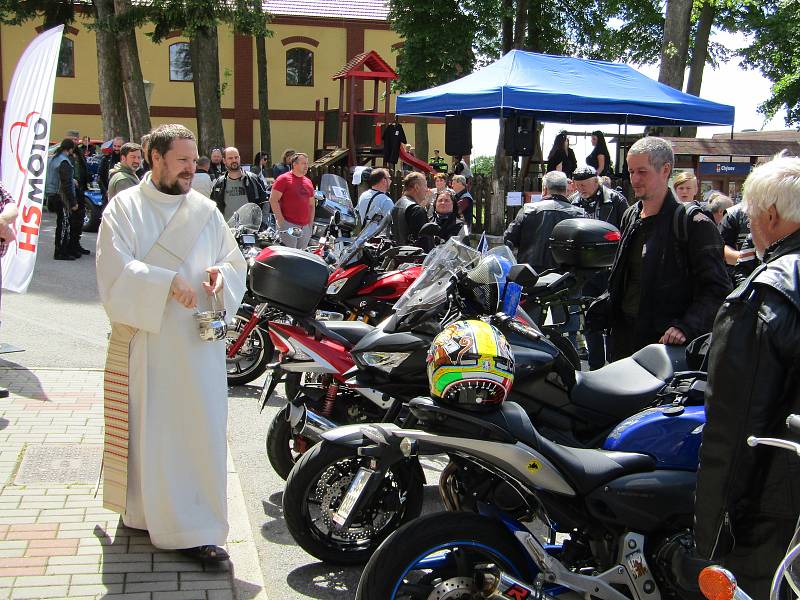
{"x": 619, "y": 513}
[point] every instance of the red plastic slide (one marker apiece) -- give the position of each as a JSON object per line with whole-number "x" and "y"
{"x": 415, "y": 162}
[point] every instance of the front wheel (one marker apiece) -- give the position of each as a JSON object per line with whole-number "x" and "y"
{"x": 253, "y": 356}
{"x": 315, "y": 489}
{"x": 284, "y": 446}
{"x": 92, "y": 217}
{"x": 435, "y": 557}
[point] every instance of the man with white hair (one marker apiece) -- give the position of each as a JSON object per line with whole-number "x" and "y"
{"x": 751, "y": 496}
{"x": 530, "y": 231}
{"x": 668, "y": 279}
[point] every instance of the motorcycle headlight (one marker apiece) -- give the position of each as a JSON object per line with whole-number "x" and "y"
{"x": 335, "y": 287}
{"x": 385, "y": 361}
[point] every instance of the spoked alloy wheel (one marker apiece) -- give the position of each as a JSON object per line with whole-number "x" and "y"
{"x": 315, "y": 489}
{"x": 434, "y": 557}
{"x": 253, "y": 357}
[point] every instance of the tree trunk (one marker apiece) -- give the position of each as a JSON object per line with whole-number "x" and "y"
{"x": 533, "y": 43}
{"x": 263, "y": 94}
{"x": 138, "y": 111}
{"x": 112, "y": 97}
{"x": 205, "y": 76}
{"x": 699, "y": 57}
{"x": 520, "y": 20}
{"x": 496, "y": 222}
{"x": 508, "y": 26}
{"x": 421, "y": 138}
{"x": 675, "y": 46}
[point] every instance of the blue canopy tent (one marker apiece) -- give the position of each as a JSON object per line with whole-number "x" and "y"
{"x": 562, "y": 89}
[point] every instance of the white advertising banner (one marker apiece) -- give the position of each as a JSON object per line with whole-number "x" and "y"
{"x": 26, "y": 137}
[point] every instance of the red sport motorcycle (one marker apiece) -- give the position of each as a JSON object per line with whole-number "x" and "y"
{"x": 360, "y": 287}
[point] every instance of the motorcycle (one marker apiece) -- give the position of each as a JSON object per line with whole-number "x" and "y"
{"x": 625, "y": 512}
{"x": 606, "y": 398}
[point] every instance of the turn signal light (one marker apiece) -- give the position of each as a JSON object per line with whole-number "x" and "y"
{"x": 717, "y": 583}
{"x": 612, "y": 236}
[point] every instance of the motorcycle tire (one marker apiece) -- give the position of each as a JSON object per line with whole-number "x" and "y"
{"x": 94, "y": 214}
{"x": 291, "y": 386}
{"x": 324, "y": 458}
{"x": 280, "y": 440}
{"x": 564, "y": 346}
{"x": 258, "y": 339}
{"x": 478, "y": 540}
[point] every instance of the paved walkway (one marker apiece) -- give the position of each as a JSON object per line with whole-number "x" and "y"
{"x": 56, "y": 540}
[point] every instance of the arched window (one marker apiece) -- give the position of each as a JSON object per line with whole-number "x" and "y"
{"x": 299, "y": 67}
{"x": 66, "y": 58}
{"x": 180, "y": 62}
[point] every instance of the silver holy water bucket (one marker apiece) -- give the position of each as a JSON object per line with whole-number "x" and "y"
{"x": 211, "y": 323}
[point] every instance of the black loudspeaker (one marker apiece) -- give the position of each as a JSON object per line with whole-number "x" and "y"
{"x": 519, "y": 137}
{"x": 458, "y": 136}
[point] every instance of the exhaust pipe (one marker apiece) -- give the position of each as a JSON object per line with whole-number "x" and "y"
{"x": 497, "y": 585}
{"x": 308, "y": 423}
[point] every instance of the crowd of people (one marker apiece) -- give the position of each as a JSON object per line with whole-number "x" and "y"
{"x": 672, "y": 278}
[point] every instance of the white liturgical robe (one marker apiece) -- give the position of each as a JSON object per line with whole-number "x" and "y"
{"x": 177, "y": 389}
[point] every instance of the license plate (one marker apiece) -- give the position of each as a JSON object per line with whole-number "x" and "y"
{"x": 353, "y": 493}
{"x": 265, "y": 390}
{"x": 248, "y": 239}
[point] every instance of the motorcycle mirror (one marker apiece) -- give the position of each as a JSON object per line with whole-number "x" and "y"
{"x": 522, "y": 274}
{"x": 430, "y": 230}
{"x": 319, "y": 196}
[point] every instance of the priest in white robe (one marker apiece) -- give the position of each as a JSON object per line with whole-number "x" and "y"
{"x": 175, "y": 484}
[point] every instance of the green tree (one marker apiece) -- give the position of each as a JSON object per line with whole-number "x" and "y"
{"x": 482, "y": 165}
{"x": 775, "y": 27}
{"x": 198, "y": 20}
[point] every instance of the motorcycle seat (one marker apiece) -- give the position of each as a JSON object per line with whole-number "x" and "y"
{"x": 352, "y": 331}
{"x": 540, "y": 287}
{"x": 584, "y": 469}
{"x": 626, "y": 386}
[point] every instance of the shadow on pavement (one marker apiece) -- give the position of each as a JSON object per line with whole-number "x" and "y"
{"x": 3, "y": 423}
{"x": 21, "y": 381}
{"x": 319, "y": 580}
{"x": 274, "y": 528}
{"x": 245, "y": 391}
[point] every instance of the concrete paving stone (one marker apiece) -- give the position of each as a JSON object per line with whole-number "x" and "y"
{"x": 31, "y": 526}
{"x": 24, "y": 562}
{"x": 20, "y": 593}
{"x": 15, "y": 571}
{"x": 127, "y": 567}
{"x": 137, "y": 596}
{"x": 134, "y": 548}
{"x": 141, "y": 577}
{"x": 97, "y": 550}
{"x": 41, "y": 580}
{"x": 142, "y": 557}
{"x": 183, "y": 595}
{"x": 71, "y": 569}
{"x": 53, "y": 543}
{"x": 63, "y": 512}
{"x": 60, "y": 519}
{"x": 206, "y": 585}
{"x": 177, "y": 566}
{"x": 220, "y": 595}
{"x": 11, "y": 553}
{"x": 111, "y": 588}
{"x": 152, "y": 586}
{"x": 32, "y": 513}
{"x": 13, "y": 544}
{"x": 51, "y": 552}
{"x": 98, "y": 578}
{"x": 6, "y": 581}
{"x": 33, "y": 497}
{"x": 74, "y": 560}
{"x": 214, "y": 575}
{"x": 42, "y": 505}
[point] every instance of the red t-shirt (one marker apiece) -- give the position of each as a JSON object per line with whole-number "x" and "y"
{"x": 295, "y": 201}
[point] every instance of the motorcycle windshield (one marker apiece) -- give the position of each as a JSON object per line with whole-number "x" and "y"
{"x": 372, "y": 229}
{"x": 431, "y": 287}
{"x": 337, "y": 194}
{"x": 247, "y": 217}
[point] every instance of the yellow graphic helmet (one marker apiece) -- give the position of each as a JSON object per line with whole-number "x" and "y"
{"x": 470, "y": 364}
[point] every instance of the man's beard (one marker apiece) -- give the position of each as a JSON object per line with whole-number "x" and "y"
{"x": 234, "y": 167}
{"x": 172, "y": 189}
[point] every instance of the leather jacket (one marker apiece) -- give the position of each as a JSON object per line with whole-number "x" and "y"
{"x": 752, "y": 387}
{"x": 253, "y": 187}
{"x": 735, "y": 232}
{"x": 408, "y": 217}
{"x": 682, "y": 285}
{"x": 605, "y": 205}
{"x": 530, "y": 231}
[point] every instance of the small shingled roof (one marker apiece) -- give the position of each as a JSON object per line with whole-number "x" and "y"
{"x": 375, "y": 66}
{"x": 363, "y": 10}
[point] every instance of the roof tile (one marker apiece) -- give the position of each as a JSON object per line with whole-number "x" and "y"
{"x": 372, "y": 10}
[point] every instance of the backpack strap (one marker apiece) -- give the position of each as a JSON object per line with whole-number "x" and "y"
{"x": 369, "y": 204}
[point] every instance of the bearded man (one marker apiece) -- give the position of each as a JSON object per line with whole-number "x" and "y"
{"x": 163, "y": 252}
